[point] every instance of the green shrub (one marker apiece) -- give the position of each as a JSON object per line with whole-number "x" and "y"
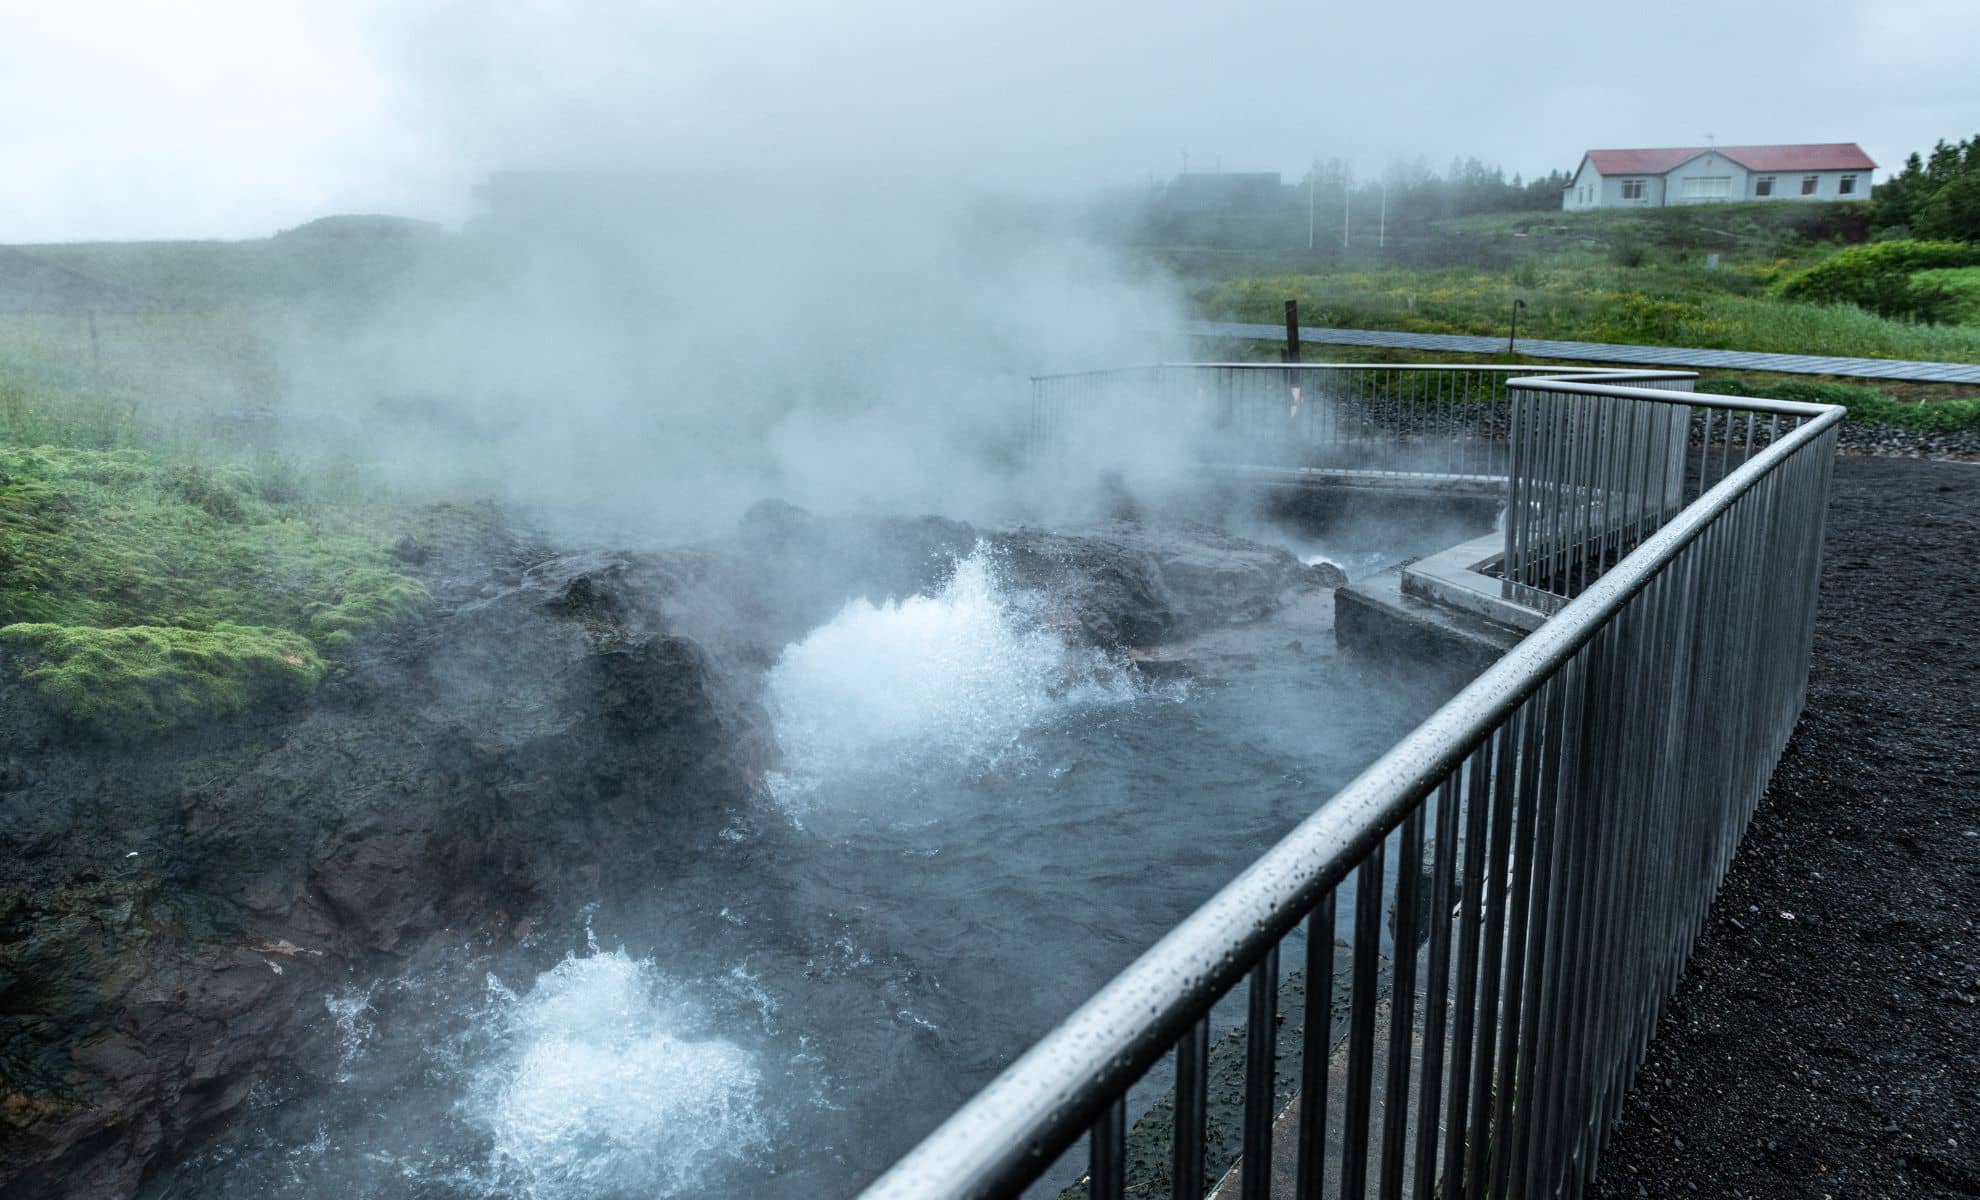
{"x": 145, "y": 678}
{"x": 1864, "y": 404}
{"x": 1879, "y": 278}
{"x": 1628, "y": 254}
{"x": 1964, "y": 285}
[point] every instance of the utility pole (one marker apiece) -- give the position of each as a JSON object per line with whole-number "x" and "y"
{"x": 1312, "y": 181}
{"x": 1382, "y": 229}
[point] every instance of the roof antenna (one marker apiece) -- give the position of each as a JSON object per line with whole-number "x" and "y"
{"x": 1712, "y": 139}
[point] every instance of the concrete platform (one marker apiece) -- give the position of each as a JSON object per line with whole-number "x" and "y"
{"x": 1378, "y": 619}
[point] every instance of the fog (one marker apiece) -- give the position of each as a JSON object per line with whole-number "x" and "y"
{"x": 688, "y": 259}
{"x": 814, "y": 250}
{"x": 232, "y": 118}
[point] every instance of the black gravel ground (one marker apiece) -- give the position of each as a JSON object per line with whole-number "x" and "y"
{"x": 1825, "y": 1041}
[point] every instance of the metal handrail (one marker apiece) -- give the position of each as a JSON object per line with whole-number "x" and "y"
{"x": 1484, "y": 749}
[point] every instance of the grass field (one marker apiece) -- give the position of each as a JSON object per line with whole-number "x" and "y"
{"x": 164, "y": 561}
{"x": 1646, "y": 277}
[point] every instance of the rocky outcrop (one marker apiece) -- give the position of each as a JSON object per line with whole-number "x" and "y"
{"x": 176, "y": 909}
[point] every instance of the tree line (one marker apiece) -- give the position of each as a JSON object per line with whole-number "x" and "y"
{"x": 1328, "y": 207}
{"x": 1935, "y": 196}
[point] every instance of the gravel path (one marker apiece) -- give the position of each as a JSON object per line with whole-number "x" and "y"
{"x": 1825, "y": 1041}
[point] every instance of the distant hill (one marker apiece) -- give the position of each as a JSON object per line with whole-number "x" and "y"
{"x": 30, "y": 283}
{"x": 367, "y": 226}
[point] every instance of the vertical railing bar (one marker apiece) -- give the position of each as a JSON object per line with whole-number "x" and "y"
{"x": 1402, "y": 1004}
{"x": 1618, "y": 875}
{"x": 1107, "y": 1152}
{"x": 1515, "y": 1044}
{"x": 1472, "y": 1012}
{"x": 1512, "y": 827}
{"x": 1531, "y": 1080}
{"x": 1515, "y": 496}
{"x": 1437, "y": 990}
{"x": 1726, "y": 447}
{"x": 1633, "y": 897}
{"x": 1311, "y": 1172}
{"x": 1556, "y": 451}
{"x": 1192, "y": 1109}
{"x": 1361, "y": 1024}
{"x": 1592, "y": 799}
{"x": 1261, "y": 1058}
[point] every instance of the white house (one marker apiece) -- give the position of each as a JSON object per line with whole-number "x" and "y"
{"x": 1717, "y": 174}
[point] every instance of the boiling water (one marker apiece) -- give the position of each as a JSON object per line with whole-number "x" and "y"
{"x": 956, "y": 677}
{"x": 593, "y": 1084}
{"x": 975, "y": 825}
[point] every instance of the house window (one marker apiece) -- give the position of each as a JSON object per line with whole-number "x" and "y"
{"x": 1632, "y": 189}
{"x": 1763, "y": 185}
{"x": 1706, "y": 187}
{"x": 1809, "y": 183}
{"x": 1846, "y": 186}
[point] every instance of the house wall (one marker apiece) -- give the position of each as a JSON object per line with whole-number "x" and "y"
{"x": 1704, "y": 166}
{"x": 1612, "y": 192}
{"x": 1606, "y": 191}
{"x": 1586, "y": 179}
{"x": 1828, "y": 185}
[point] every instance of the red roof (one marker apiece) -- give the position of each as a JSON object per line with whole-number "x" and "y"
{"x": 1824, "y": 156}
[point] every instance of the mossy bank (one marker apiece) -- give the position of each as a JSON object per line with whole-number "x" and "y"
{"x": 138, "y": 595}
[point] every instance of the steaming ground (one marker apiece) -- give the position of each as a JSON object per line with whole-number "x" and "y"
{"x": 977, "y": 823}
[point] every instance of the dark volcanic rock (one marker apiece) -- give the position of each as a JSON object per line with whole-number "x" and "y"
{"x": 1130, "y": 585}
{"x": 176, "y": 909}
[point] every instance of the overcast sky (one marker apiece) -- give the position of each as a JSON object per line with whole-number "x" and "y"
{"x": 134, "y": 118}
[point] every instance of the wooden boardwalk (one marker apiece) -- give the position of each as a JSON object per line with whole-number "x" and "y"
{"x": 1608, "y": 352}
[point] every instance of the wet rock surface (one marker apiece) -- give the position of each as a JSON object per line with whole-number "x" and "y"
{"x": 1824, "y": 1038}
{"x": 176, "y": 909}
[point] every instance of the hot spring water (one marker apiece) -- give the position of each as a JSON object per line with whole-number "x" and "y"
{"x": 974, "y": 825}
{"x": 958, "y": 677}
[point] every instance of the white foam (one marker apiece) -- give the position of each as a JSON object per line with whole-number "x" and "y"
{"x": 953, "y": 678}
{"x": 351, "y": 1010}
{"x": 594, "y": 1089}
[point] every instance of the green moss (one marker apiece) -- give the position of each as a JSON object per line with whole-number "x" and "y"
{"x": 143, "y": 678}
{"x": 367, "y": 599}
{"x": 118, "y": 545}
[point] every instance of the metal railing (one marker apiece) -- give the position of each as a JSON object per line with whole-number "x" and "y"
{"x": 1583, "y": 798}
{"x": 1447, "y": 420}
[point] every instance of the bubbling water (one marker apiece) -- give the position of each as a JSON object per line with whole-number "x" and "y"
{"x": 595, "y": 1090}
{"x": 953, "y": 678}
